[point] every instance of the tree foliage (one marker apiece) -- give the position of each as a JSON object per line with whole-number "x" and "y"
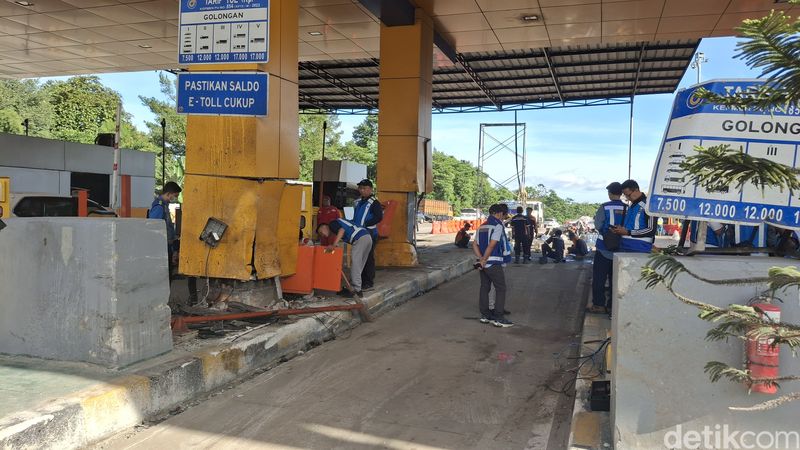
{"x": 10, "y": 121}
{"x": 175, "y": 136}
{"x": 462, "y": 185}
{"x": 561, "y": 209}
{"x": 362, "y": 148}
{"x": 81, "y": 105}
{"x": 771, "y": 44}
{"x": 30, "y": 101}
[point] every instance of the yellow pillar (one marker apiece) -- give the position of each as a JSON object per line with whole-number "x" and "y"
{"x": 404, "y": 131}
{"x": 236, "y": 169}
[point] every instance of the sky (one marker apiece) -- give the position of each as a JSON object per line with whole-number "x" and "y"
{"x": 574, "y": 151}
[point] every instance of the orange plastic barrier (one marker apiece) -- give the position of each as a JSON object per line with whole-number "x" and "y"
{"x": 385, "y": 226}
{"x": 327, "y": 269}
{"x": 315, "y": 270}
{"x": 303, "y": 281}
{"x": 437, "y": 228}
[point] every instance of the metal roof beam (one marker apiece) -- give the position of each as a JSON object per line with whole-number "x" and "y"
{"x": 478, "y": 82}
{"x": 563, "y": 96}
{"x": 553, "y": 75}
{"x": 676, "y": 59}
{"x": 680, "y": 65}
{"x": 562, "y": 84}
{"x": 315, "y": 102}
{"x": 554, "y": 52}
{"x": 337, "y": 82}
{"x": 638, "y": 70}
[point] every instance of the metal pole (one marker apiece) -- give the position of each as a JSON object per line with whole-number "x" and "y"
{"x": 115, "y": 172}
{"x": 322, "y": 164}
{"x": 478, "y": 197}
{"x": 163, "y": 152}
{"x": 630, "y": 142}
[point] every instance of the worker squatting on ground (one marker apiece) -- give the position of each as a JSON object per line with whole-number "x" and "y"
{"x": 553, "y": 248}
{"x": 579, "y": 249}
{"x": 462, "y": 237}
{"x": 159, "y": 209}
{"x": 359, "y": 238}
{"x": 493, "y": 251}
{"x": 521, "y": 226}
{"x": 609, "y": 214}
{"x": 368, "y": 213}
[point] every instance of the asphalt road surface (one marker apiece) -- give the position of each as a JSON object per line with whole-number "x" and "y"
{"x": 427, "y": 375}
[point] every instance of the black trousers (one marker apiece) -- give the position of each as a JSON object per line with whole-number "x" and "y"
{"x": 550, "y": 253}
{"x": 519, "y": 245}
{"x": 602, "y": 269}
{"x": 368, "y": 274}
{"x": 492, "y": 276}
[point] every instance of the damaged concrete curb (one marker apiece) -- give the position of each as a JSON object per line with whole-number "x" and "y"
{"x": 110, "y": 407}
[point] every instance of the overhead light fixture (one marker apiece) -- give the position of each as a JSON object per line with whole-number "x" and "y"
{"x": 23, "y": 3}
{"x": 315, "y": 33}
{"x": 145, "y": 46}
{"x": 531, "y": 18}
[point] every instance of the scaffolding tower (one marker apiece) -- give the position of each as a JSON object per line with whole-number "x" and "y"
{"x": 490, "y": 145}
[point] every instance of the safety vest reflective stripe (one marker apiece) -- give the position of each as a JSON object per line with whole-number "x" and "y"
{"x": 363, "y": 219}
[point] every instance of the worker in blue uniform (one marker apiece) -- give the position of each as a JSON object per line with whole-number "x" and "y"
{"x": 342, "y": 230}
{"x": 159, "y": 209}
{"x": 608, "y": 215}
{"x": 638, "y": 229}
{"x": 367, "y": 214}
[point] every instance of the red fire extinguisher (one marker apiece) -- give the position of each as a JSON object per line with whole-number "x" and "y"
{"x": 762, "y": 357}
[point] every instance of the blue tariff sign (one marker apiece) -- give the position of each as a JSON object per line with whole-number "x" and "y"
{"x": 223, "y": 31}
{"x": 772, "y": 134}
{"x": 223, "y": 94}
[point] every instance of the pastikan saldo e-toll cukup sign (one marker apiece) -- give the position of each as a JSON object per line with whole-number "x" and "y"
{"x": 229, "y": 94}
{"x": 772, "y": 134}
{"x": 223, "y": 31}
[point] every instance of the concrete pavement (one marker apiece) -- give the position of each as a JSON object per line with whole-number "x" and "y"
{"x": 426, "y": 375}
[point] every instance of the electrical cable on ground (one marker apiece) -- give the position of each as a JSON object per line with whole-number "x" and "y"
{"x": 595, "y": 370}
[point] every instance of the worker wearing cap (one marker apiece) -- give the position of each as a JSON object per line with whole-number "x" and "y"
{"x": 609, "y": 214}
{"x": 343, "y": 230}
{"x": 367, "y": 214}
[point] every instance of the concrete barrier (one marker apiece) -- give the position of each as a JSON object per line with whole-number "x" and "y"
{"x": 92, "y": 290}
{"x": 659, "y": 390}
{"x": 80, "y": 419}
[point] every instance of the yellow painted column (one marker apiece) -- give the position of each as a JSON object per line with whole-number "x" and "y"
{"x": 404, "y": 131}
{"x": 237, "y": 167}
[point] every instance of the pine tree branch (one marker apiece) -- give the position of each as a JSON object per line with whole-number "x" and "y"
{"x": 772, "y": 44}
{"x": 720, "y": 167}
{"x": 770, "y": 404}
